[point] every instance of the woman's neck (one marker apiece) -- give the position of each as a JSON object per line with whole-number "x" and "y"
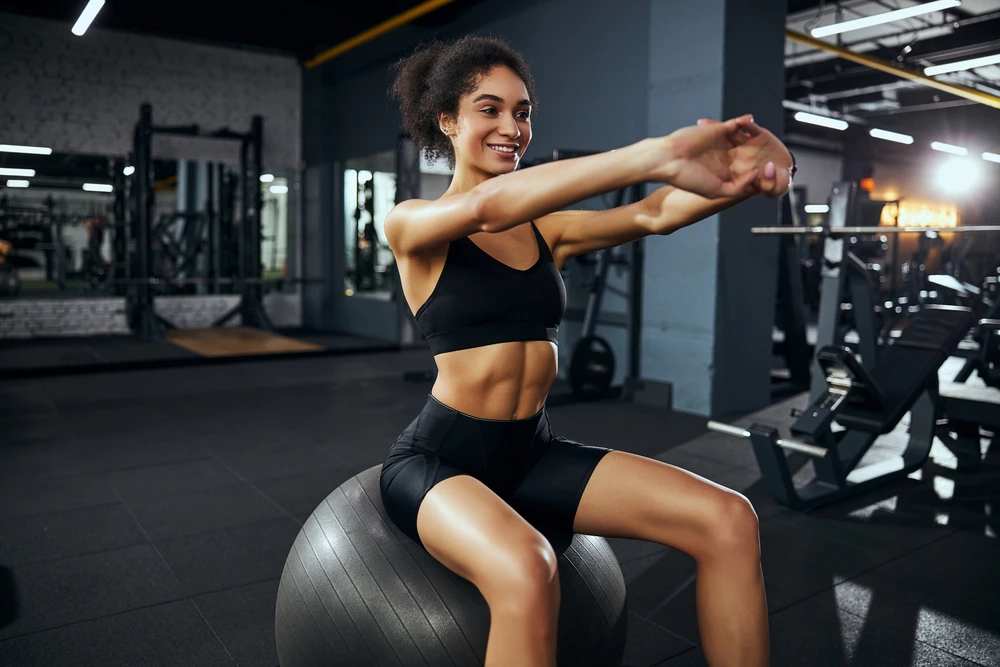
{"x": 466, "y": 178}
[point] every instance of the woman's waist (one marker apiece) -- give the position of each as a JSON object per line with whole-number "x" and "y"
{"x": 500, "y": 396}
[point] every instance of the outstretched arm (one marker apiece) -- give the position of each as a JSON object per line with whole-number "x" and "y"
{"x": 669, "y": 208}
{"x": 697, "y": 159}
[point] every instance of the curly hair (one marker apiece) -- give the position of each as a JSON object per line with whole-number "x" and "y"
{"x": 436, "y": 76}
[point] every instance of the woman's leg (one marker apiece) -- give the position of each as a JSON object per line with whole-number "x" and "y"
{"x": 474, "y": 533}
{"x": 635, "y": 497}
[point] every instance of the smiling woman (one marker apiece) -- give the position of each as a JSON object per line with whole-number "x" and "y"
{"x": 479, "y": 472}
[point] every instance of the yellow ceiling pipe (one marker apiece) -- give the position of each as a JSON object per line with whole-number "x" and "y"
{"x": 902, "y": 72}
{"x": 377, "y": 31}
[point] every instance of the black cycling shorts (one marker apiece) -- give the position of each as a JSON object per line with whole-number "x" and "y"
{"x": 541, "y": 476}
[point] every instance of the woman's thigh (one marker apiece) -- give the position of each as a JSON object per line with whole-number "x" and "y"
{"x": 473, "y": 532}
{"x": 632, "y": 496}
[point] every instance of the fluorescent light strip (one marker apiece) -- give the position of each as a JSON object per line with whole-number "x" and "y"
{"x": 87, "y": 17}
{"x": 891, "y": 136}
{"x": 98, "y": 187}
{"x": 813, "y": 119}
{"x": 963, "y": 65}
{"x": 279, "y": 189}
{"x": 817, "y": 208}
{"x": 266, "y": 178}
{"x": 886, "y": 17}
{"x": 948, "y": 148}
{"x": 17, "y": 184}
{"x": 991, "y": 157}
{"x": 7, "y": 171}
{"x": 29, "y": 150}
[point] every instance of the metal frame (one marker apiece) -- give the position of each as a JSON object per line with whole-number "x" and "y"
{"x": 140, "y": 307}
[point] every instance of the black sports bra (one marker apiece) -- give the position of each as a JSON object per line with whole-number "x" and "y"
{"x": 479, "y": 300}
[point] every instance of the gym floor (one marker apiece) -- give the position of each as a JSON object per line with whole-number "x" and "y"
{"x": 145, "y": 517}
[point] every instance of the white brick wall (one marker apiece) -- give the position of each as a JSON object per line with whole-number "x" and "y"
{"x": 50, "y": 318}
{"x": 82, "y": 94}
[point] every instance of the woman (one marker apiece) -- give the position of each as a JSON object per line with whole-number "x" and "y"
{"x": 480, "y": 269}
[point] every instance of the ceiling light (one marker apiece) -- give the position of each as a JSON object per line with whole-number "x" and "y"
{"x": 279, "y": 189}
{"x": 14, "y": 183}
{"x": 266, "y": 178}
{"x": 813, "y": 119}
{"x": 957, "y": 176}
{"x": 991, "y": 157}
{"x": 8, "y": 171}
{"x": 891, "y": 136}
{"x": 30, "y": 150}
{"x": 885, "y": 17}
{"x": 817, "y": 208}
{"x": 948, "y": 148}
{"x": 87, "y": 17}
{"x": 98, "y": 187}
{"x": 963, "y": 65}
{"x": 129, "y": 170}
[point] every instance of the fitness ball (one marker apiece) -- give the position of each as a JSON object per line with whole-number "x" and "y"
{"x": 357, "y": 592}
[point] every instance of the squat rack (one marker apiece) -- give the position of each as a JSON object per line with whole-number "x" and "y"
{"x": 142, "y": 316}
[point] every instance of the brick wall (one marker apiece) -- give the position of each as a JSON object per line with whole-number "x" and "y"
{"x": 51, "y": 318}
{"x": 82, "y": 94}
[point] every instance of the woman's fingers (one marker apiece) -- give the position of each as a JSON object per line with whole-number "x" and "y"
{"x": 738, "y": 186}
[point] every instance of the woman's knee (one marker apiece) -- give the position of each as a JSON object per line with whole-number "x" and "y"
{"x": 524, "y": 571}
{"x": 733, "y": 526}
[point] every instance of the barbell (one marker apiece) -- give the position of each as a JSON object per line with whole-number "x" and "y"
{"x": 841, "y": 231}
{"x": 784, "y": 443}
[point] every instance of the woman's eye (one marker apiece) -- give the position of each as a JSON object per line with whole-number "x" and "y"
{"x": 489, "y": 110}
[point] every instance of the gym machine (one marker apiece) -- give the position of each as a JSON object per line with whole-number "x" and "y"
{"x": 867, "y": 393}
{"x": 143, "y": 231}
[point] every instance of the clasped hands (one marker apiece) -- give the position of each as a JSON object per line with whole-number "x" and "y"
{"x": 735, "y": 158}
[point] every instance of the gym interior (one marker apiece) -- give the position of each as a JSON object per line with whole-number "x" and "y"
{"x": 205, "y": 352}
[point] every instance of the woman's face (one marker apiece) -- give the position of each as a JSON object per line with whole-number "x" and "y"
{"x": 494, "y": 124}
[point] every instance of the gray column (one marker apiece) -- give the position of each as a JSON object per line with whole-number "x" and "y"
{"x": 709, "y": 292}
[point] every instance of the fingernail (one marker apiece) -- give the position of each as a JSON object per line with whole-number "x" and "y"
{"x": 769, "y": 170}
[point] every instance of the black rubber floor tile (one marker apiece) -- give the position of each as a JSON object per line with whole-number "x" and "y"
{"x": 287, "y": 461}
{"x": 49, "y": 536}
{"x": 223, "y": 559}
{"x": 803, "y": 563}
{"x": 721, "y": 447}
{"x": 75, "y": 589}
{"x": 243, "y": 618}
{"x": 301, "y": 494}
{"x": 661, "y": 589}
{"x": 213, "y": 509}
{"x": 818, "y": 632}
{"x": 628, "y": 550}
{"x": 166, "y": 635}
{"x": 875, "y": 522}
{"x": 170, "y": 479}
{"x": 649, "y": 644}
{"x": 26, "y": 496}
{"x": 691, "y": 658}
{"x": 85, "y": 457}
{"x": 945, "y": 594}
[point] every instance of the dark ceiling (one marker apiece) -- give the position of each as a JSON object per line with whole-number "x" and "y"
{"x": 299, "y": 27}
{"x": 879, "y": 99}
{"x": 306, "y": 27}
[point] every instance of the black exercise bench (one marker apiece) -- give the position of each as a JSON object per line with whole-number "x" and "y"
{"x": 866, "y": 404}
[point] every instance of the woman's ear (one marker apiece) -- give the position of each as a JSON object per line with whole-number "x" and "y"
{"x": 446, "y": 124}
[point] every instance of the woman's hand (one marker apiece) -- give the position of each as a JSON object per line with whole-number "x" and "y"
{"x": 762, "y": 154}
{"x": 701, "y": 158}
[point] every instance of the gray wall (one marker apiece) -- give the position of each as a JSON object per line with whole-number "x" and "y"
{"x": 609, "y": 74}
{"x": 82, "y": 94}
